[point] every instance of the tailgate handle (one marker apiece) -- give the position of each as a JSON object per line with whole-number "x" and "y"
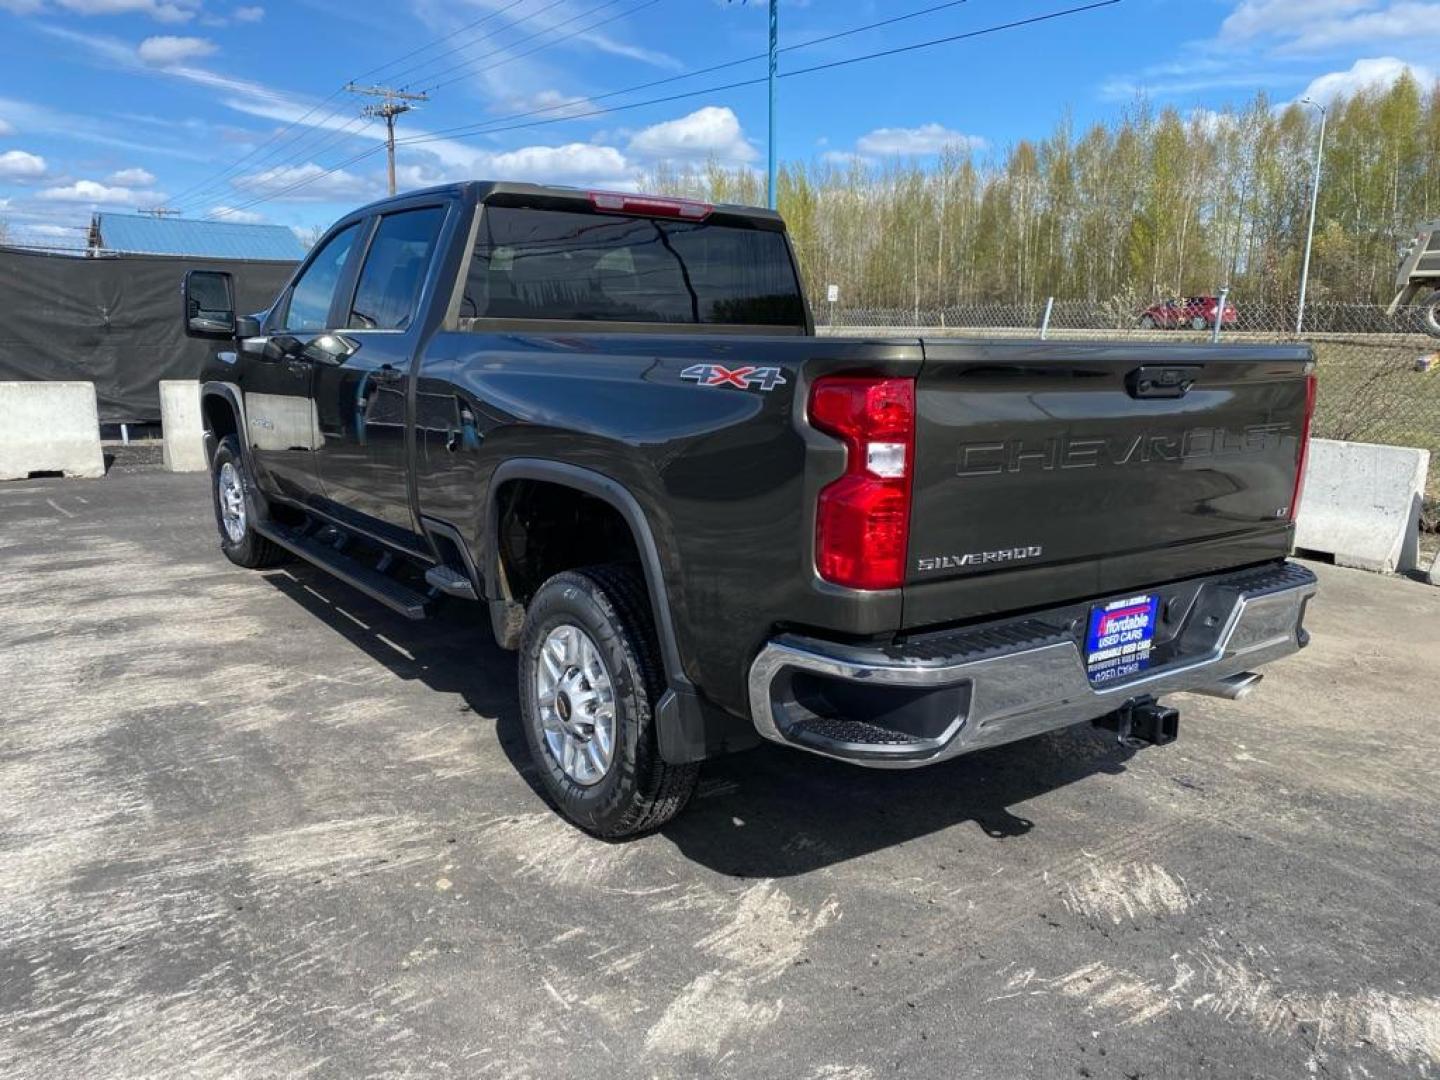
{"x": 1162, "y": 381}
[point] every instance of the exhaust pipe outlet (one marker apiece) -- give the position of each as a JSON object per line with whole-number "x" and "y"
{"x": 1234, "y": 688}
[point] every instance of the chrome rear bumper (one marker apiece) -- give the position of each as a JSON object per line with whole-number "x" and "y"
{"x": 993, "y": 684}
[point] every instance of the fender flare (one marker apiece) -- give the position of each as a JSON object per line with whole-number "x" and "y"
{"x": 688, "y": 727}
{"x": 230, "y": 394}
{"x": 616, "y": 495}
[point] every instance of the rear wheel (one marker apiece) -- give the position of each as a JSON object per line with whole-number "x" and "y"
{"x": 1199, "y": 322}
{"x": 1430, "y": 314}
{"x": 1147, "y": 323}
{"x": 236, "y": 510}
{"x": 590, "y": 679}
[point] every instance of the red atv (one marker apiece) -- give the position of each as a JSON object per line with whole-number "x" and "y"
{"x": 1197, "y": 312}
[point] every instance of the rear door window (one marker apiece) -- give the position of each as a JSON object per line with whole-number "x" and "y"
{"x": 310, "y": 299}
{"x": 550, "y": 264}
{"x": 395, "y": 269}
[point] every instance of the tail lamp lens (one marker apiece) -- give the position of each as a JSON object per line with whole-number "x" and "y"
{"x": 1311, "y": 387}
{"x": 862, "y": 530}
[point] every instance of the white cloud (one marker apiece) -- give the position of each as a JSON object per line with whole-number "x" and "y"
{"x": 248, "y": 14}
{"x": 98, "y": 129}
{"x": 606, "y": 44}
{"x": 1312, "y": 25}
{"x": 711, "y": 132}
{"x": 166, "y": 50}
{"x": 230, "y": 213}
{"x": 1377, "y": 72}
{"x": 95, "y": 193}
{"x": 549, "y": 102}
{"x": 6, "y": 128}
{"x": 310, "y": 182}
{"x": 165, "y": 11}
{"x": 1252, "y": 18}
{"x": 20, "y": 165}
{"x": 925, "y": 139}
{"x": 132, "y": 178}
{"x": 573, "y": 163}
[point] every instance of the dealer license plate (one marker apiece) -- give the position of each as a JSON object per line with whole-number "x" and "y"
{"x": 1121, "y": 638}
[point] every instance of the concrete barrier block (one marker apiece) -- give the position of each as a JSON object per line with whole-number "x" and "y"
{"x": 1362, "y": 504}
{"x": 49, "y": 427}
{"x": 181, "y": 426}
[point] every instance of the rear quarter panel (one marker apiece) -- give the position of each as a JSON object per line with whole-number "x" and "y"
{"x": 725, "y": 476}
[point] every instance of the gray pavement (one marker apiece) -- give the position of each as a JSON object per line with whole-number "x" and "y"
{"x": 252, "y": 825}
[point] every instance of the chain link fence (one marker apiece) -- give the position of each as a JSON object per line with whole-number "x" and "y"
{"x": 1379, "y": 376}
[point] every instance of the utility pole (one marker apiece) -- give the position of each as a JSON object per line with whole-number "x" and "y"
{"x": 774, "y": 42}
{"x": 395, "y": 103}
{"x": 1314, "y": 202}
{"x": 770, "y": 81}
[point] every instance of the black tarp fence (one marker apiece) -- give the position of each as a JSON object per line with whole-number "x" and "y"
{"x": 113, "y": 320}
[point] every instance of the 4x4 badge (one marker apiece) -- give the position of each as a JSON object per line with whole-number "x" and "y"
{"x": 743, "y": 378}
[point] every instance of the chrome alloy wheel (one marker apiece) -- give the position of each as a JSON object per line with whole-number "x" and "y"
{"x": 576, "y": 698}
{"x": 232, "y": 502}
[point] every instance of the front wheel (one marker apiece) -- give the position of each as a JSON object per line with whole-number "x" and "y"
{"x": 1199, "y": 322}
{"x": 1147, "y": 323}
{"x": 235, "y": 510}
{"x": 590, "y": 680}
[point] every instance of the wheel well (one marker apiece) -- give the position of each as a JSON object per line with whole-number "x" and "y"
{"x": 544, "y": 528}
{"x": 219, "y": 416}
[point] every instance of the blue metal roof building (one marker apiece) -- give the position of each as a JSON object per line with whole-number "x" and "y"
{"x": 138, "y": 234}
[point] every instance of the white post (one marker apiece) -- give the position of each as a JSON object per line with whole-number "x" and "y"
{"x": 1220, "y": 314}
{"x": 1314, "y": 202}
{"x": 1045, "y": 322}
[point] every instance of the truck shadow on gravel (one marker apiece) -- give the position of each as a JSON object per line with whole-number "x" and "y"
{"x": 766, "y": 813}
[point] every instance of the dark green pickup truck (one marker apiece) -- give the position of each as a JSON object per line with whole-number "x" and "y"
{"x": 607, "y": 418}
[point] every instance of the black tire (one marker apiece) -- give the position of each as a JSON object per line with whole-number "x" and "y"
{"x": 1147, "y": 323}
{"x": 1199, "y": 322}
{"x": 249, "y": 549}
{"x": 1430, "y": 314}
{"x": 639, "y": 792}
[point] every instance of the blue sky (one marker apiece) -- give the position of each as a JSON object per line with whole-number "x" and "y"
{"x": 225, "y": 107}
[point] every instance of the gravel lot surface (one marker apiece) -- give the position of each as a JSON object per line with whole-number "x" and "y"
{"x": 252, "y": 825}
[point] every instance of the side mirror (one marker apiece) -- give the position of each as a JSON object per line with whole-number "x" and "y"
{"x": 209, "y": 304}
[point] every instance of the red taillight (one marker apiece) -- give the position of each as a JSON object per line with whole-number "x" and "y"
{"x": 862, "y": 523}
{"x": 1310, "y": 388}
{"x": 616, "y": 202}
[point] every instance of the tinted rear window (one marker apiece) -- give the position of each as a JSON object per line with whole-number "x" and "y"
{"x": 547, "y": 264}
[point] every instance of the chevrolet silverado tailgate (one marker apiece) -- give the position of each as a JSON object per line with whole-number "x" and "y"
{"x": 1047, "y": 471}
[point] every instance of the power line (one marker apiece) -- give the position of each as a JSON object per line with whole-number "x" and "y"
{"x": 441, "y": 40}
{"x": 563, "y": 106}
{"x": 204, "y": 185}
{"x": 414, "y": 72}
{"x": 217, "y": 187}
{"x": 296, "y": 185}
{"x": 468, "y": 67}
{"x": 485, "y": 130}
{"x": 488, "y": 128}
{"x": 206, "y": 188}
{"x": 197, "y": 194}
